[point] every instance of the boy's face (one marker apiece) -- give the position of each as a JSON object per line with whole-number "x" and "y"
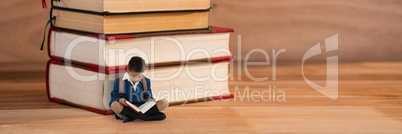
{"x": 135, "y": 76}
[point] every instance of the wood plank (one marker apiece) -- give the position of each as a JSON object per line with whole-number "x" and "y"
{"x": 371, "y": 105}
{"x": 216, "y": 120}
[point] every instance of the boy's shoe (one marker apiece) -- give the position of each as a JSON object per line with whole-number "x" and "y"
{"x": 156, "y": 117}
{"x": 127, "y": 119}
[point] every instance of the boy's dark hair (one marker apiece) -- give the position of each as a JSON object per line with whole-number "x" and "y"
{"x": 137, "y": 64}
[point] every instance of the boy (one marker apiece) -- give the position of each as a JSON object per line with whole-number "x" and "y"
{"x": 134, "y": 92}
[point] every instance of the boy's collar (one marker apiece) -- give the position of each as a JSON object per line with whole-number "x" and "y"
{"x": 126, "y": 76}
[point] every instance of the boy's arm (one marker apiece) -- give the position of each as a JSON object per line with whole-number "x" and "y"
{"x": 115, "y": 92}
{"x": 149, "y": 88}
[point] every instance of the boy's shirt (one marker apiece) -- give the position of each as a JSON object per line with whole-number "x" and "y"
{"x": 126, "y": 76}
{"x": 135, "y": 89}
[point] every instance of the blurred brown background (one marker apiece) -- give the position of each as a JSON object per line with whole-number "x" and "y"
{"x": 369, "y": 30}
{"x": 369, "y": 88}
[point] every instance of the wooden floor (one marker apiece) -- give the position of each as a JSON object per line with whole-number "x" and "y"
{"x": 370, "y": 101}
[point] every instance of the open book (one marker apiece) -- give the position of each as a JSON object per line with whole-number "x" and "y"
{"x": 141, "y": 109}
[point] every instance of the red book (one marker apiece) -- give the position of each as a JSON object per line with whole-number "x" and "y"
{"x": 141, "y": 109}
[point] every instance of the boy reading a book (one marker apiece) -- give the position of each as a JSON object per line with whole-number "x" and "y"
{"x": 134, "y": 83}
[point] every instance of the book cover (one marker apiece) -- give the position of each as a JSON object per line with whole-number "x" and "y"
{"x": 121, "y": 23}
{"x": 110, "y": 6}
{"x": 214, "y": 38}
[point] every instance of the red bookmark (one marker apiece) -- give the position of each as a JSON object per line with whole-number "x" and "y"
{"x": 44, "y": 4}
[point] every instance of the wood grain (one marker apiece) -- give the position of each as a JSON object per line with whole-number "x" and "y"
{"x": 369, "y": 30}
{"x": 365, "y": 105}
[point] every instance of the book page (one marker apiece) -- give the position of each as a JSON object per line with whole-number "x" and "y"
{"x": 132, "y": 106}
{"x": 146, "y": 106}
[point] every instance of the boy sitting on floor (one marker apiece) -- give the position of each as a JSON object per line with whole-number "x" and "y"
{"x": 134, "y": 93}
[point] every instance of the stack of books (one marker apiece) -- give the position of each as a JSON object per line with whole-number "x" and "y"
{"x": 91, "y": 42}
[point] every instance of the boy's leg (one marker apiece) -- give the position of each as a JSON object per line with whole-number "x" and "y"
{"x": 155, "y": 113}
{"x": 154, "y": 117}
{"x": 117, "y": 108}
{"x": 162, "y": 104}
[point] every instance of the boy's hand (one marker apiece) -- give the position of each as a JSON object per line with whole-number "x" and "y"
{"x": 152, "y": 100}
{"x": 121, "y": 101}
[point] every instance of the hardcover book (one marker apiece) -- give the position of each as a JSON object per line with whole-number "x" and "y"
{"x": 122, "y": 23}
{"x": 89, "y": 87}
{"x": 157, "y": 48}
{"x": 123, "y": 6}
{"x": 141, "y": 109}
